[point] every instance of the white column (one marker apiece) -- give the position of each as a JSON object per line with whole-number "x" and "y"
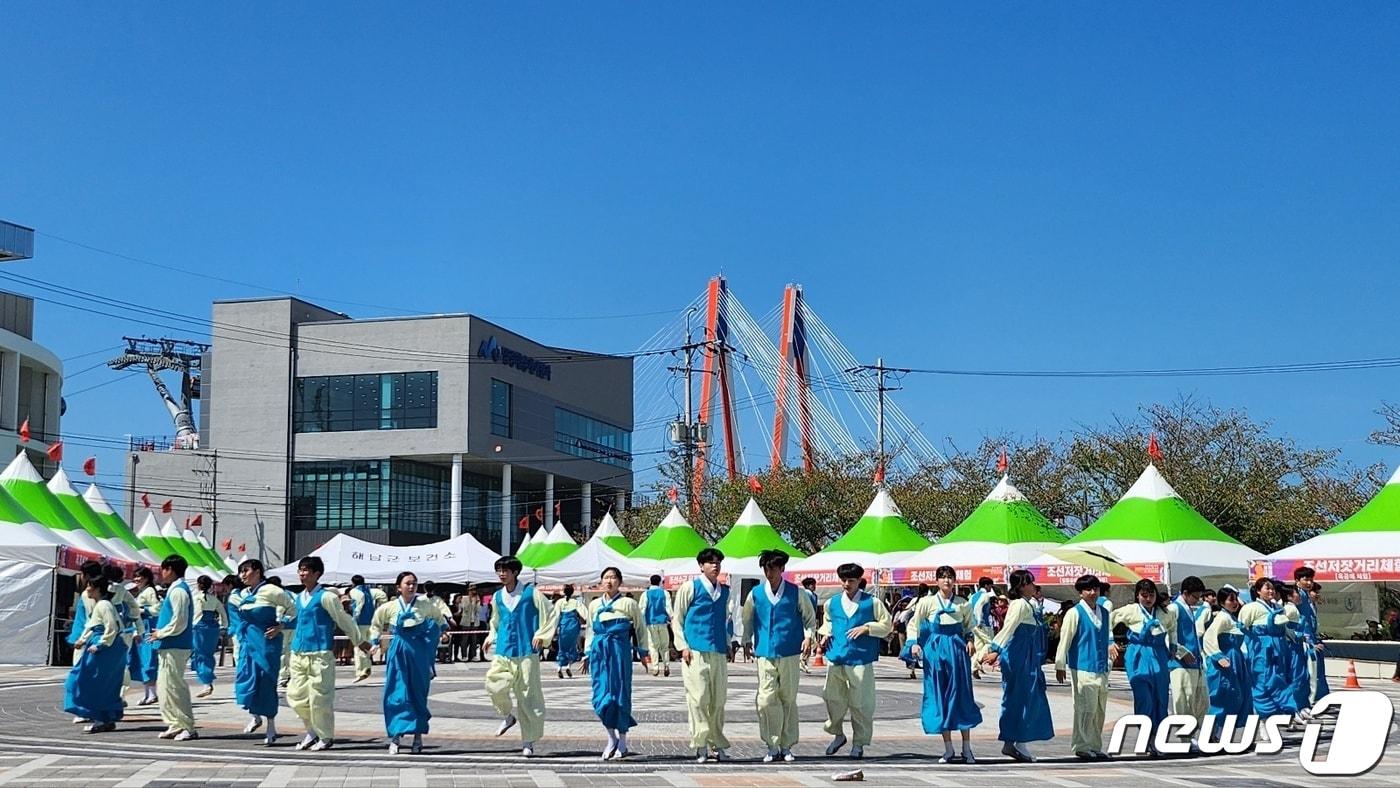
{"x": 587, "y": 516}
{"x": 621, "y": 503}
{"x": 9, "y": 396}
{"x": 549, "y": 500}
{"x": 507, "y": 512}
{"x": 456, "y": 530}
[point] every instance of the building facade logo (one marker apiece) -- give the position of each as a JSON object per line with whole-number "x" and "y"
{"x": 495, "y": 351}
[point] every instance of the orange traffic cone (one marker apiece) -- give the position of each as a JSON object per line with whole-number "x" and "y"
{"x": 1352, "y": 683}
{"x": 818, "y": 661}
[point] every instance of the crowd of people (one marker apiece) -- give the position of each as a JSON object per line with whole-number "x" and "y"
{"x": 1202, "y": 652}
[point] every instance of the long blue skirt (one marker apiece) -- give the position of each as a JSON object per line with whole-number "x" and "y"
{"x": 1319, "y": 664}
{"x": 1025, "y": 712}
{"x": 948, "y": 704}
{"x": 259, "y": 661}
{"x": 206, "y": 643}
{"x": 569, "y": 629}
{"x": 408, "y": 672}
{"x": 1229, "y": 687}
{"x": 610, "y": 669}
{"x": 143, "y": 663}
{"x": 93, "y": 689}
{"x": 1298, "y": 673}
{"x": 1271, "y": 687}
{"x": 1148, "y": 675}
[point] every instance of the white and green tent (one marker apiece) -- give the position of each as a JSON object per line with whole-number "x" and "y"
{"x": 27, "y": 487}
{"x": 611, "y": 535}
{"x": 1004, "y": 531}
{"x": 672, "y": 547}
{"x": 554, "y": 547}
{"x": 750, "y": 535}
{"x": 1157, "y": 535}
{"x": 880, "y": 539}
{"x": 150, "y": 535}
{"x": 207, "y": 560}
{"x": 1365, "y": 547}
{"x": 524, "y": 548}
{"x": 93, "y": 497}
{"x": 114, "y": 545}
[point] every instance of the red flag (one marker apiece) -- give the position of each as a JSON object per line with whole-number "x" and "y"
{"x": 242, "y": 547}
{"x": 673, "y": 495}
{"x": 167, "y": 507}
{"x": 90, "y": 466}
{"x": 56, "y": 451}
{"x": 1002, "y": 462}
{"x": 1153, "y": 450}
{"x": 24, "y": 432}
{"x": 197, "y": 522}
{"x": 226, "y": 545}
{"x": 755, "y": 486}
{"x": 524, "y": 523}
{"x": 539, "y": 514}
{"x": 880, "y": 473}
{"x": 146, "y": 500}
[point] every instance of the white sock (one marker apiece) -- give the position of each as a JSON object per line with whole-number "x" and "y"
{"x": 612, "y": 739}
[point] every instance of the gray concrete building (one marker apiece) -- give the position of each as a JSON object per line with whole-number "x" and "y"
{"x": 393, "y": 430}
{"x": 31, "y": 376}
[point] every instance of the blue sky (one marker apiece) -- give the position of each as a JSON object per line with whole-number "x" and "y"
{"x": 1034, "y": 187}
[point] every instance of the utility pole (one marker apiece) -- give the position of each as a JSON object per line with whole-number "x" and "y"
{"x": 880, "y": 371}
{"x": 687, "y": 434}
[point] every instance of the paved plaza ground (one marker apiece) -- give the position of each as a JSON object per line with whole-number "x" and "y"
{"x": 40, "y": 746}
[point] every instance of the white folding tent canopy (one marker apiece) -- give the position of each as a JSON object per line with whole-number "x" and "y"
{"x": 584, "y": 566}
{"x": 459, "y": 560}
{"x": 26, "y": 600}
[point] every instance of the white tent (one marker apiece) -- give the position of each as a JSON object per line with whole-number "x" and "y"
{"x": 584, "y": 567}
{"x": 459, "y": 560}
{"x": 26, "y": 599}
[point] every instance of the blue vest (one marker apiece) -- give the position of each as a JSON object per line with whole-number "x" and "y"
{"x": 706, "y": 622}
{"x": 777, "y": 629}
{"x": 515, "y": 629}
{"x": 1186, "y": 636}
{"x": 79, "y": 621}
{"x": 184, "y": 639}
{"x": 656, "y": 612}
{"x": 1089, "y": 651}
{"x": 364, "y": 614}
{"x": 844, "y": 651}
{"x": 1307, "y": 616}
{"x": 315, "y": 630}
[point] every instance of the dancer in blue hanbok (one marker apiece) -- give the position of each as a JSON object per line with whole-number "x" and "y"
{"x": 613, "y": 618}
{"x": 1020, "y": 648}
{"x": 1150, "y": 624}
{"x": 144, "y": 663}
{"x": 1318, "y": 688}
{"x": 948, "y": 704}
{"x": 416, "y": 625}
{"x": 1264, "y": 623}
{"x": 260, "y": 650}
{"x": 208, "y": 624}
{"x": 235, "y": 622}
{"x": 570, "y": 613}
{"x": 93, "y": 689}
{"x": 1227, "y": 668}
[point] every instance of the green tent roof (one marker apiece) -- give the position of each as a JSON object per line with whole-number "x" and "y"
{"x": 609, "y": 534}
{"x": 114, "y": 522}
{"x": 151, "y": 537}
{"x": 882, "y": 529}
{"x": 1005, "y": 517}
{"x": 673, "y": 538}
{"x": 23, "y": 482}
{"x": 752, "y": 534}
{"x": 1381, "y": 513}
{"x": 1151, "y": 511}
{"x": 557, "y": 546}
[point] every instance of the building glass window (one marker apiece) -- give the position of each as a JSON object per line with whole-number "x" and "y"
{"x": 342, "y": 403}
{"x": 582, "y": 436}
{"x": 500, "y": 408}
{"x": 395, "y": 494}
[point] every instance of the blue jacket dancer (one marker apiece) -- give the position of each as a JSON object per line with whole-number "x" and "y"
{"x": 701, "y": 632}
{"x": 613, "y": 618}
{"x": 1150, "y": 646}
{"x": 569, "y": 612}
{"x": 855, "y": 625}
{"x": 260, "y": 646}
{"x": 1264, "y": 624}
{"x": 416, "y": 624}
{"x": 93, "y": 689}
{"x": 948, "y": 704}
{"x": 1020, "y": 648}
{"x": 657, "y": 614}
{"x": 1227, "y": 667}
{"x": 208, "y": 625}
{"x": 780, "y": 622}
{"x": 1084, "y": 658}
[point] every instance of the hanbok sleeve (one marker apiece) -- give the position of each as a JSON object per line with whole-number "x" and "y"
{"x": 809, "y": 615}
{"x": 331, "y": 604}
{"x": 179, "y": 615}
{"x": 917, "y": 615}
{"x": 379, "y": 624}
{"x": 684, "y": 596}
{"x": 883, "y": 625}
{"x": 825, "y": 629}
{"x": 1069, "y": 627}
{"x": 592, "y": 615}
{"x": 549, "y": 618}
{"x": 644, "y": 644}
{"x": 746, "y": 615}
{"x": 1210, "y": 641}
{"x": 491, "y": 628}
{"x": 1017, "y": 614}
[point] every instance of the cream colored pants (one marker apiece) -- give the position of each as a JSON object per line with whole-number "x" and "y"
{"x": 363, "y": 662}
{"x": 175, "y": 705}
{"x": 850, "y": 688}
{"x": 514, "y": 686}
{"x": 1090, "y": 691}
{"x": 1188, "y": 693}
{"x": 706, "y": 681}
{"x": 777, "y": 700}
{"x": 285, "y": 673}
{"x": 311, "y": 693}
{"x": 659, "y": 644}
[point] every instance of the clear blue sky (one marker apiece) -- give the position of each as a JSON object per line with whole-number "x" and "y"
{"x": 1045, "y": 186}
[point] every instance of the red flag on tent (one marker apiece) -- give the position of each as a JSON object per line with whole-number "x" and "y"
{"x": 24, "y": 432}
{"x": 197, "y": 522}
{"x": 1002, "y": 462}
{"x": 167, "y": 507}
{"x": 90, "y": 466}
{"x": 524, "y": 523}
{"x": 539, "y": 514}
{"x": 226, "y": 545}
{"x": 242, "y": 547}
{"x": 673, "y": 494}
{"x": 755, "y": 486}
{"x": 880, "y": 473}
{"x": 146, "y": 500}
{"x": 1153, "y": 450}
{"x": 56, "y": 451}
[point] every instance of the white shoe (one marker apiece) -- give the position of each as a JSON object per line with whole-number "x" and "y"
{"x": 769, "y": 756}
{"x": 253, "y": 724}
{"x": 721, "y": 755}
{"x": 608, "y": 752}
{"x": 81, "y": 720}
{"x": 394, "y": 746}
{"x": 947, "y": 757}
{"x": 967, "y": 755}
{"x": 206, "y": 692}
{"x": 321, "y": 744}
{"x": 836, "y": 744}
{"x": 306, "y": 742}
{"x": 788, "y": 756}
{"x": 186, "y": 736}
{"x": 702, "y": 755}
{"x": 857, "y": 751}
{"x": 528, "y": 750}
{"x": 506, "y": 724}
{"x": 168, "y": 733}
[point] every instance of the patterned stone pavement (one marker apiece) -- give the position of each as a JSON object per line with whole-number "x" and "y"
{"x": 39, "y": 745}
